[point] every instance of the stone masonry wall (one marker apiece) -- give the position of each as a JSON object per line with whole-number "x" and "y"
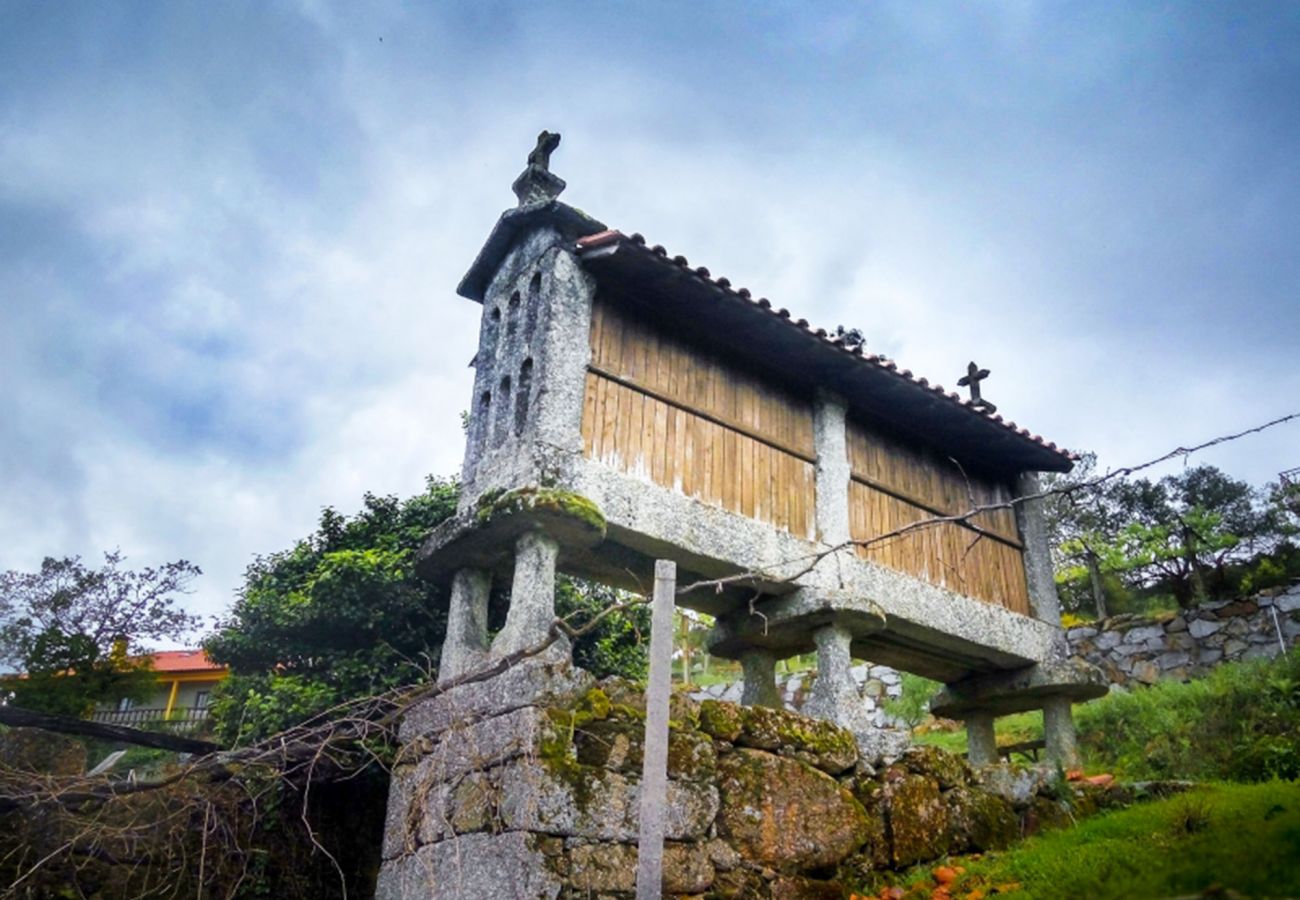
{"x": 1143, "y": 650}
{"x": 876, "y": 685}
{"x": 528, "y": 786}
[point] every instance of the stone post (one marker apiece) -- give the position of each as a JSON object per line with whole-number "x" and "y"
{"x": 532, "y": 595}
{"x": 835, "y": 696}
{"x": 654, "y": 763}
{"x": 830, "y": 437}
{"x": 981, "y": 741}
{"x": 1058, "y": 733}
{"x": 466, "y": 642}
{"x": 759, "y": 667}
{"x": 1046, "y": 605}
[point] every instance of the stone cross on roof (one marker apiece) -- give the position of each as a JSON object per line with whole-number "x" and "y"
{"x": 536, "y": 184}
{"x": 974, "y": 375}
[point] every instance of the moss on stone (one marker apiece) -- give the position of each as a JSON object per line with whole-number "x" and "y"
{"x": 495, "y": 504}
{"x": 721, "y": 720}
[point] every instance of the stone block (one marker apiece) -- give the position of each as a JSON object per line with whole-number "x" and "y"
{"x": 819, "y": 743}
{"x": 1080, "y": 633}
{"x": 1176, "y": 625}
{"x": 1233, "y": 649}
{"x": 480, "y": 745}
{"x": 1107, "y": 640}
{"x": 599, "y": 868}
{"x": 1146, "y": 672}
{"x": 947, "y": 769}
{"x": 1209, "y": 657}
{"x": 785, "y": 814}
{"x": 979, "y": 821}
{"x": 532, "y": 682}
{"x": 1168, "y": 661}
{"x": 1290, "y": 601}
{"x": 1143, "y": 634}
{"x": 475, "y": 865}
{"x": 567, "y": 799}
{"x": 1201, "y": 628}
{"x": 918, "y": 818}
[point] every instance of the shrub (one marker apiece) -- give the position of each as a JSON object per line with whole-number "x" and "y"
{"x": 1240, "y": 723}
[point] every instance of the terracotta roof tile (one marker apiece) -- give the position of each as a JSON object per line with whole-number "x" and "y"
{"x": 723, "y": 285}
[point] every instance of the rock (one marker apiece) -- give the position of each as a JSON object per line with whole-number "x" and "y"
{"x": 1239, "y": 608}
{"x": 1233, "y": 648}
{"x": 1080, "y": 633}
{"x": 787, "y": 887}
{"x": 947, "y": 769}
{"x": 1146, "y": 672}
{"x": 1168, "y": 661}
{"x": 1144, "y": 634}
{"x": 1017, "y": 785}
{"x": 1107, "y": 640}
{"x": 474, "y": 865}
{"x": 1176, "y": 624}
{"x": 786, "y": 814}
{"x": 619, "y": 745}
{"x": 979, "y": 821}
{"x": 1290, "y": 601}
{"x": 1045, "y": 814}
{"x": 572, "y": 800}
{"x": 1209, "y": 657}
{"x": 881, "y": 746}
{"x": 818, "y": 743}
{"x": 532, "y": 682}
{"x": 721, "y": 720}
{"x": 1202, "y": 628}
{"x": 918, "y": 818}
{"x": 612, "y": 867}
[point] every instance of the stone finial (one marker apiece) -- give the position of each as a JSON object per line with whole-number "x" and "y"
{"x": 536, "y": 184}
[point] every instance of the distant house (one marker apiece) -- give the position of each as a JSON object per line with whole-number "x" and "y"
{"x": 185, "y": 682}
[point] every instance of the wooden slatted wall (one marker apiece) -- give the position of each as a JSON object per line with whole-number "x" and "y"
{"x": 894, "y": 485}
{"x": 688, "y": 420}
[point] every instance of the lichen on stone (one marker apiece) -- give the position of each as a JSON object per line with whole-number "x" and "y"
{"x": 496, "y": 504}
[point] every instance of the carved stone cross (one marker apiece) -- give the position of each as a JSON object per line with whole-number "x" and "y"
{"x": 974, "y": 375}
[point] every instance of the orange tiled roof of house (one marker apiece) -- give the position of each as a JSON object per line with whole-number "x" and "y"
{"x": 183, "y": 661}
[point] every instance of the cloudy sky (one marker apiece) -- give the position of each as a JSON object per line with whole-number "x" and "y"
{"x": 230, "y": 234}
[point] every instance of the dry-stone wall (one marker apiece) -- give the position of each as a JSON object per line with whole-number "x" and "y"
{"x": 876, "y": 685}
{"x": 531, "y": 780}
{"x": 1143, "y": 650}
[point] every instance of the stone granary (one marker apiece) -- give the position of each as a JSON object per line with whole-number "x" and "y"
{"x": 629, "y": 407}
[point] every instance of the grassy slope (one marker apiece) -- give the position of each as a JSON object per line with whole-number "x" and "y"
{"x": 1243, "y": 837}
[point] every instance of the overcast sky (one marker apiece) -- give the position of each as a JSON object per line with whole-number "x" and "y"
{"x": 230, "y": 234}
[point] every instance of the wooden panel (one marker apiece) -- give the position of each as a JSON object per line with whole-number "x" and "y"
{"x": 948, "y": 555}
{"x": 928, "y": 480}
{"x": 635, "y": 352}
{"x": 636, "y": 432}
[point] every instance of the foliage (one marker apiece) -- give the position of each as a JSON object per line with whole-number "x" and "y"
{"x": 1188, "y": 534}
{"x": 343, "y": 614}
{"x": 72, "y": 629}
{"x": 620, "y": 646}
{"x": 1240, "y": 723}
{"x": 1221, "y": 840}
{"x": 913, "y": 704}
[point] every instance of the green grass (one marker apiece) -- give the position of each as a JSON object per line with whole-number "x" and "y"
{"x": 1242, "y": 837}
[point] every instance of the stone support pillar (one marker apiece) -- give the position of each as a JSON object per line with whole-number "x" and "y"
{"x": 835, "y": 696}
{"x": 466, "y": 643}
{"x": 830, "y": 436}
{"x": 532, "y": 595}
{"x": 1044, "y": 602}
{"x": 759, "y": 667}
{"x": 1058, "y": 733}
{"x": 981, "y": 741}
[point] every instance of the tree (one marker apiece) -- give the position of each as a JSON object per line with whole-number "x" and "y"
{"x": 343, "y": 614}
{"x": 76, "y": 633}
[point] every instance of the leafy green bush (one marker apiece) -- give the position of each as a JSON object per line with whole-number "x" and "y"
{"x": 1240, "y": 723}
